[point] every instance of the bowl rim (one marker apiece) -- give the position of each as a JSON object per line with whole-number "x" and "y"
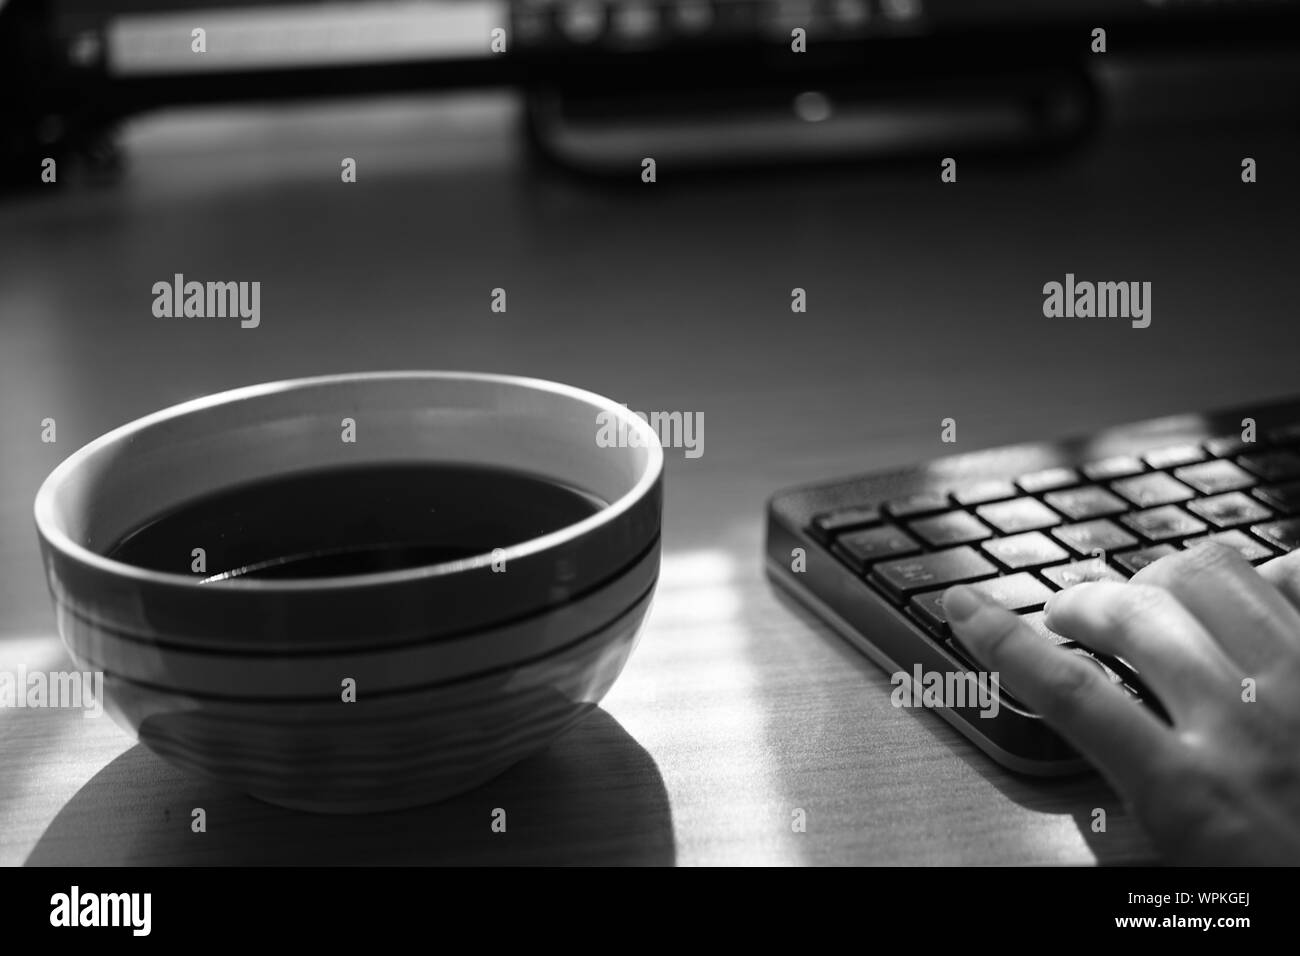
{"x": 50, "y": 529}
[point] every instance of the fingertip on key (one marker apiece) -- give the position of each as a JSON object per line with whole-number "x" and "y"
{"x": 961, "y": 603}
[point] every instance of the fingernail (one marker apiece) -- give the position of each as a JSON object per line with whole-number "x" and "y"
{"x": 961, "y": 603}
{"x": 1049, "y": 606}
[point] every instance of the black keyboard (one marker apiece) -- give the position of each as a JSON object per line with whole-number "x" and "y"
{"x": 874, "y": 554}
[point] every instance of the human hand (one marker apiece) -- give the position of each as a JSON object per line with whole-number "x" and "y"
{"x": 1218, "y": 643}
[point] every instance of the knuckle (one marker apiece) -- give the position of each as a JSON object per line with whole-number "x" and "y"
{"x": 1134, "y": 605}
{"x": 1175, "y": 570}
{"x": 1206, "y": 557}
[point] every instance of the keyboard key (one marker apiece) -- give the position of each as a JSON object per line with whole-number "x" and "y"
{"x": 1029, "y": 550}
{"x": 1077, "y": 572}
{"x": 1164, "y": 523}
{"x": 1089, "y": 501}
{"x": 1049, "y": 479}
{"x": 1272, "y": 465}
{"x": 1019, "y": 514}
{"x": 1147, "y": 491}
{"x": 1249, "y": 548}
{"x": 955, "y": 527}
{"x": 910, "y": 506}
{"x": 1280, "y": 534}
{"x": 870, "y": 545}
{"x": 1117, "y": 466}
{"x": 1284, "y": 498}
{"x": 1174, "y": 456}
{"x": 1214, "y": 477}
{"x": 928, "y": 609}
{"x": 983, "y": 492}
{"x": 1017, "y": 592}
{"x": 906, "y": 576}
{"x": 827, "y": 526}
{"x": 1035, "y": 620}
{"x": 1135, "y": 561}
{"x": 1225, "y": 446}
{"x": 1089, "y": 537}
{"x": 1230, "y": 510}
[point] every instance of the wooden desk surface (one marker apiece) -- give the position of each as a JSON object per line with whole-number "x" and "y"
{"x": 737, "y": 707}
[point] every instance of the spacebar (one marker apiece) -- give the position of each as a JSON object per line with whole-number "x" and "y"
{"x": 903, "y": 577}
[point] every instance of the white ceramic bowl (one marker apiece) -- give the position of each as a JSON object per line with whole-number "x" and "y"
{"x": 460, "y": 670}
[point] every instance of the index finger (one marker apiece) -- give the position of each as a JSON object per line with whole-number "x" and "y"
{"x": 1120, "y": 736}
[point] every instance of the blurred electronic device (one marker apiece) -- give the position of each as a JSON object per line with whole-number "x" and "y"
{"x": 702, "y": 82}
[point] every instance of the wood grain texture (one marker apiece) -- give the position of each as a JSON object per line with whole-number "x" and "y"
{"x": 737, "y": 707}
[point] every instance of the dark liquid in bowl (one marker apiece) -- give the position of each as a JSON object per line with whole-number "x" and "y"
{"x": 354, "y": 520}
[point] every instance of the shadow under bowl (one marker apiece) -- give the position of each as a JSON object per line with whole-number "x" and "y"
{"x": 384, "y": 751}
